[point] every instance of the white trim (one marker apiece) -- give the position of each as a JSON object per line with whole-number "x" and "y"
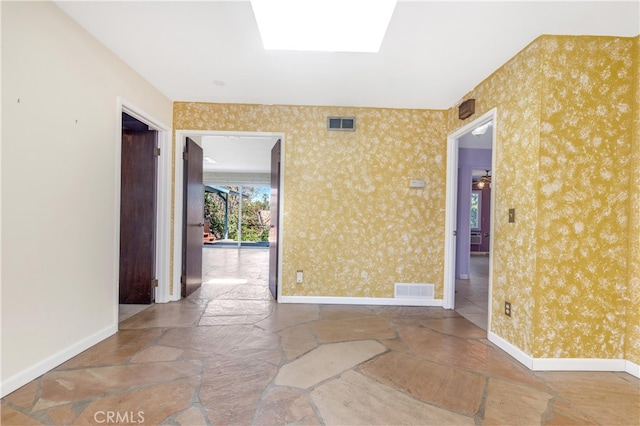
{"x": 512, "y": 350}
{"x": 578, "y": 364}
{"x": 25, "y": 376}
{"x": 564, "y": 364}
{"x": 385, "y": 301}
{"x": 633, "y": 369}
{"x": 451, "y": 209}
{"x": 450, "y": 219}
{"x": 163, "y": 209}
{"x": 180, "y": 136}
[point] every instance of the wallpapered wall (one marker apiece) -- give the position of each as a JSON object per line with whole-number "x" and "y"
{"x": 351, "y": 222}
{"x": 565, "y": 133}
{"x": 515, "y": 90}
{"x": 583, "y": 197}
{"x": 632, "y": 342}
{"x": 567, "y": 155}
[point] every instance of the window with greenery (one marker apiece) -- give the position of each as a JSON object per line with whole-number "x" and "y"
{"x": 254, "y": 215}
{"x": 476, "y": 209}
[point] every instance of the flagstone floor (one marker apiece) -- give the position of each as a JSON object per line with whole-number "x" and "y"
{"x": 230, "y": 355}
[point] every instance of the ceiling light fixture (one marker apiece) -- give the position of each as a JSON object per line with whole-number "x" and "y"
{"x": 483, "y": 180}
{"x": 481, "y": 130}
{"x": 209, "y": 160}
{"x": 323, "y": 25}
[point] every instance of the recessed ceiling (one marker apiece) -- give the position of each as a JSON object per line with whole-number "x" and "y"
{"x": 434, "y": 52}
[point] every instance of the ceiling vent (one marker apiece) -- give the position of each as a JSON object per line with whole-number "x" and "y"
{"x": 346, "y": 124}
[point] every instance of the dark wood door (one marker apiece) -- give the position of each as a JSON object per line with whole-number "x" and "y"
{"x": 193, "y": 230}
{"x": 138, "y": 216}
{"x": 273, "y": 231}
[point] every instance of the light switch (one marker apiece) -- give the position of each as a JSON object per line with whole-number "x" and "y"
{"x": 512, "y": 215}
{"x": 299, "y": 277}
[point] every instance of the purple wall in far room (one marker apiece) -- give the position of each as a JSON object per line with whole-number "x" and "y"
{"x": 485, "y": 222}
{"x": 468, "y": 159}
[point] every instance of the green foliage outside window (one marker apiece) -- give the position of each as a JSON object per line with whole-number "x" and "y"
{"x": 475, "y": 209}
{"x": 254, "y": 200}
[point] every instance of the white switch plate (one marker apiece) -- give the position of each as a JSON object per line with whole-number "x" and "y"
{"x": 299, "y": 277}
{"x": 416, "y": 183}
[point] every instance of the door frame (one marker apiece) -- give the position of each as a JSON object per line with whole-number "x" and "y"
{"x": 163, "y": 206}
{"x": 451, "y": 211}
{"x": 180, "y": 136}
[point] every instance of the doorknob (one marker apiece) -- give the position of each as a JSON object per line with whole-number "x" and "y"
{"x": 201, "y": 225}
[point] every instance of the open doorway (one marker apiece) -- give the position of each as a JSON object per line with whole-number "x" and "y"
{"x": 238, "y": 214}
{"x": 142, "y": 221}
{"x": 468, "y": 243}
{"x": 474, "y": 224}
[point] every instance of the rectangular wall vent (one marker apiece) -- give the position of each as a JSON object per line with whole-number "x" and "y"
{"x": 414, "y": 291}
{"x": 341, "y": 124}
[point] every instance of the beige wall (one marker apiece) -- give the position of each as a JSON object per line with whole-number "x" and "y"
{"x": 564, "y": 161}
{"x": 351, "y": 223}
{"x": 59, "y": 135}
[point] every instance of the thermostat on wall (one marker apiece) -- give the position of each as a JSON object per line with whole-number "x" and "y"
{"x": 416, "y": 183}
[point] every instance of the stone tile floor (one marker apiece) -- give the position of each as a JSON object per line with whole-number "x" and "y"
{"x": 229, "y": 355}
{"x": 472, "y": 295}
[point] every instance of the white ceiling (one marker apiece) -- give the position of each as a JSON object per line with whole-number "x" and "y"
{"x": 434, "y": 52}
{"x": 238, "y": 154}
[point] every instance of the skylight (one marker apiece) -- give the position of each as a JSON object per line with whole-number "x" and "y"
{"x": 323, "y": 25}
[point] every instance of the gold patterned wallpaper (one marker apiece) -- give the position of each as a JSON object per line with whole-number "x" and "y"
{"x": 583, "y": 197}
{"x": 568, "y": 155}
{"x": 564, "y": 161}
{"x": 351, "y": 222}
{"x": 514, "y": 90}
{"x": 632, "y": 341}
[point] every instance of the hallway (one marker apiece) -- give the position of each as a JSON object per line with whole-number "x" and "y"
{"x": 229, "y": 354}
{"x": 472, "y": 295}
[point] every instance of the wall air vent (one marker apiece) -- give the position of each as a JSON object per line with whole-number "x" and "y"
{"x": 347, "y": 124}
{"x": 414, "y": 291}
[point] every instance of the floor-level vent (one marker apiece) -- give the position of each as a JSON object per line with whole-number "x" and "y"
{"x": 413, "y": 291}
{"x": 341, "y": 124}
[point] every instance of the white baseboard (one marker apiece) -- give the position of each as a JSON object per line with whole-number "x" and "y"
{"x": 386, "y": 301}
{"x": 565, "y": 364}
{"x": 512, "y": 350}
{"x": 578, "y": 364}
{"x": 18, "y": 380}
{"x": 633, "y": 369}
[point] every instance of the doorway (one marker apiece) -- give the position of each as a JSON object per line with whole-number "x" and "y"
{"x": 138, "y": 212}
{"x": 154, "y": 229}
{"x": 458, "y": 227}
{"x": 237, "y": 190}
